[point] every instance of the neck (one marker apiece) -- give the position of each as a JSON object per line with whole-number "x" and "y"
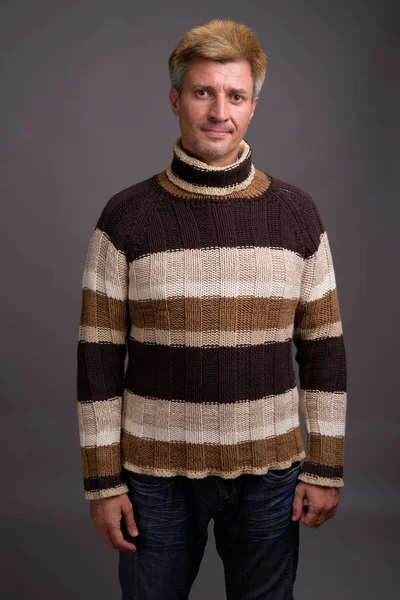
{"x": 194, "y": 175}
{"x": 213, "y": 161}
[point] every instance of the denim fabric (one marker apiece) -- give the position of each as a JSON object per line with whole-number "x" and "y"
{"x": 254, "y": 534}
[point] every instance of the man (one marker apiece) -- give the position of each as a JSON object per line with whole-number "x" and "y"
{"x": 205, "y": 273}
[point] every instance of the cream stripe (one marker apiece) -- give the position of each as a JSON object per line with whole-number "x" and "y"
{"x": 217, "y": 424}
{"x": 106, "y": 268}
{"x": 142, "y": 415}
{"x": 101, "y": 334}
{"x": 324, "y": 412}
{"x": 328, "y": 330}
{"x": 99, "y": 422}
{"x": 316, "y": 480}
{"x": 318, "y": 274}
{"x": 198, "y": 339}
{"x": 259, "y": 272}
{"x": 107, "y": 492}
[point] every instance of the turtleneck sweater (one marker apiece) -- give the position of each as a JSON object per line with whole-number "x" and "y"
{"x": 207, "y": 279}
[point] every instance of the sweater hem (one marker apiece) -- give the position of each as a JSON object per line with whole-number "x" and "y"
{"x": 200, "y": 474}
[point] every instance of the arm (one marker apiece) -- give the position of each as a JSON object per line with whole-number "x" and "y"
{"x": 321, "y": 356}
{"x": 101, "y": 352}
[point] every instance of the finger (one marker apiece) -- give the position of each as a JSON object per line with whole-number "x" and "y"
{"x": 313, "y": 518}
{"x": 297, "y": 506}
{"x": 331, "y": 513}
{"x": 129, "y": 520}
{"x": 118, "y": 542}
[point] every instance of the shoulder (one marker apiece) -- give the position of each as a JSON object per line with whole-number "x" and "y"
{"x": 298, "y": 199}
{"x": 304, "y": 210}
{"x": 120, "y": 213}
{"x": 125, "y": 204}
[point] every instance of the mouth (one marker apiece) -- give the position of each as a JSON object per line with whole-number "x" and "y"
{"x": 216, "y": 133}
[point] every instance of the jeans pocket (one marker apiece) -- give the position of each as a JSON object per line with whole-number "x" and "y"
{"x": 146, "y": 481}
{"x": 282, "y": 476}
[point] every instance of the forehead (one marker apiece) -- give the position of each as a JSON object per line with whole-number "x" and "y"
{"x": 212, "y": 73}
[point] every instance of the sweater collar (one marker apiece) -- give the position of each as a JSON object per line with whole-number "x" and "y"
{"x": 194, "y": 175}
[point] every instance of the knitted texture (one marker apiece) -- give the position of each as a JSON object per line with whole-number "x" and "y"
{"x": 206, "y": 279}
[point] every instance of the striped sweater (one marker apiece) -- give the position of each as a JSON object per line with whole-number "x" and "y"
{"x": 206, "y": 279}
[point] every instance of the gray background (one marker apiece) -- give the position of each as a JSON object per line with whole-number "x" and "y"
{"x": 86, "y": 113}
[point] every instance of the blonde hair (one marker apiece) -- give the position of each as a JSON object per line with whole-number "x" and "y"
{"x": 223, "y": 41}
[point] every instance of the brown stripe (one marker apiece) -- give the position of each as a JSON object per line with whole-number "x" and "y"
{"x": 210, "y": 178}
{"x": 257, "y": 187}
{"x": 322, "y": 471}
{"x": 322, "y": 364}
{"x": 180, "y": 457}
{"x": 246, "y": 313}
{"x": 97, "y": 484}
{"x": 100, "y": 371}
{"x": 100, "y": 311}
{"x": 210, "y": 374}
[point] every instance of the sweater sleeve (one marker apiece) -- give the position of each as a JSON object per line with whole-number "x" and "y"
{"x": 103, "y": 330}
{"x": 321, "y": 355}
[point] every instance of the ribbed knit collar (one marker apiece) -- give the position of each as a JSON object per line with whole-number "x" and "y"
{"x": 194, "y": 175}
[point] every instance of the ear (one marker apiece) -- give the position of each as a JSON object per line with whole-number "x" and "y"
{"x": 174, "y": 100}
{"x": 253, "y": 107}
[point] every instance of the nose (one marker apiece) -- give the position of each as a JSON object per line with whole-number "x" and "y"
{"x": 219, "y": 109}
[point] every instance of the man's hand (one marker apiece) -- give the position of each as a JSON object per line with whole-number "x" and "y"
{"x": 106, "y": 516}
{"x": 322, "y": 503}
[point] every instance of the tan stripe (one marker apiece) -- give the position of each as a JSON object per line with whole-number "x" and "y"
{"x": 324, "y": 412}
{"x": 322, "y": 313}
{"x": 106, "y": 268}
{"x": 193, "y": 460}
{"x": 103, "y": 312}
{"x": 195, "y": 423}
{"x": 101, "y": 461}
{"x": 325, "y": 450}
{"x": 256, "y": 188}
{"x": 243, "y": 314}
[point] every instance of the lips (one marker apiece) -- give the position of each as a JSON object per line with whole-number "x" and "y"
{"x": 218, "y": 133}
{"x": 215, "y": 129}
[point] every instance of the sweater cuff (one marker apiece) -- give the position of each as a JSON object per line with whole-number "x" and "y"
{"x": 106, "y": 492}
{"x": 102, "y": 472}
{"x": 104, "y": 487}
{"x": 324, "y": 475}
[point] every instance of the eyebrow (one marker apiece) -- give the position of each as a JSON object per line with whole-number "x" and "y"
{"x": 210, "y": 88}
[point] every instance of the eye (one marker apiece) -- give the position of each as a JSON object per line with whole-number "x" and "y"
{"x": 201, "y": 92}
{"x": 237, "y": 97}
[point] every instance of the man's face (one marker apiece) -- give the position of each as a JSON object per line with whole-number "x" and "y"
{"x": 214, "y": 109}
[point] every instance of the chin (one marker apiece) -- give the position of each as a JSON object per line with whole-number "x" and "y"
{"x": 213, "y": 149}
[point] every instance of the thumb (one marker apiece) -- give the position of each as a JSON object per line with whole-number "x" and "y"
{"x": 297, "y": 506}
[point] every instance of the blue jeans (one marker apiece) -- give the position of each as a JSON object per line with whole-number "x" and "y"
{"x": 254, "y": 534}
